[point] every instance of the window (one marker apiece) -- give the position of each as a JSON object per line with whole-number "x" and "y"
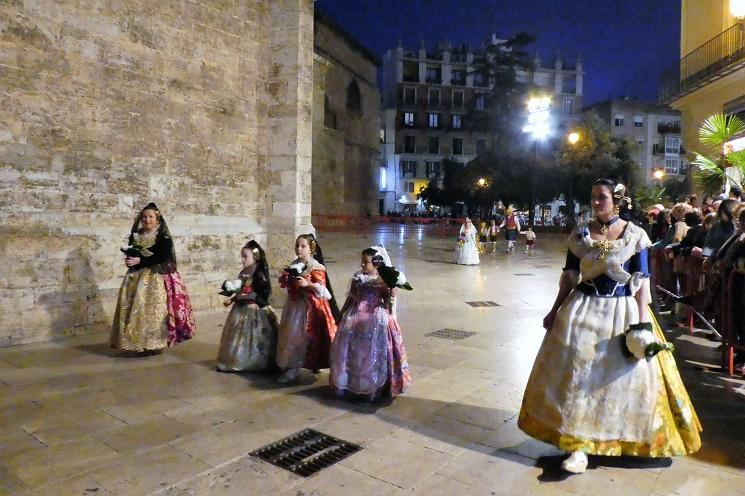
{"x": 434, "y": 121}
{"x": 672, "y": 165}
{"x": 408, "y": 167}
{"x": 480, "y": 102}
{"x": 479, "y": 80}
{"x": 409, "y": 144}
{"x": 329, "y": 116}
{"x": 458, "y": 77}
{"x": 458, "y": 99}
{"x": 434, "y": 98}
{"x": 354, "y": 99}
{"x": 433, "y": 169}
{"x": 383, "y": 178}
{"x": 409, "y": 119}
{"x": 434, "y": 145}
{"x": 411, "y": 72}
{"x": 409, "y": 96}
{"x": 457, "y": 121}
{"x": 480, "y": 146}
{"x": 638, "y": 121}
{"x": 568, "y": 105}
{"x": 381, "y": 135}
{"x": 434, "y": 75}
{"x": 639, "y": 141}
{"x": 457, "y": 146}
{"x": 409, "y": 187}
{"x": 672, "y": 146}
{"x": 618, "y": 120}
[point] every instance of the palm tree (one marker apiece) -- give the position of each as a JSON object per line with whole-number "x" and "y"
{"x": 710, "y": 170}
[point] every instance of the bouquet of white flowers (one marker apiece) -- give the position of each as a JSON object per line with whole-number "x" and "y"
{"x": 296, "y": 269}
{"x": 393, "y": 278}
{"x": 642, "y": 343}
{"x": 231, "y": 287}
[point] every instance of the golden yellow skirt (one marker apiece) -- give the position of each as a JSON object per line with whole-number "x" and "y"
{"x": 673, "y": 428}
{"x": 140, "y": 319}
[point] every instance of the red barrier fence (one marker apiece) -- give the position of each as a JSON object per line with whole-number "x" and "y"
{"x": 688, "y": 275}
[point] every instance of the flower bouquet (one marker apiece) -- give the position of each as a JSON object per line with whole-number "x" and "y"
{"x": 134, "y": 251}
{"x": 642, "y": 343}
{"x": 461, "y": 240}
{"x": 291, "y": 272}
{"x": 393, "y": 278}
{"x": 231, "y": 287}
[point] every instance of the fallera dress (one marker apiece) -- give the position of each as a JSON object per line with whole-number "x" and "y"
{"x": 585, "y": 393}
{"x": 249, "y": 337}
{"x": 467, "y": 251}
{"x": 307, "y": 326}
{"x": 368, "y": 356}
{"x": 153, "y": 309}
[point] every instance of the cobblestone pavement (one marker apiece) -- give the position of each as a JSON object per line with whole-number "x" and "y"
{"x": 78, "y": 419}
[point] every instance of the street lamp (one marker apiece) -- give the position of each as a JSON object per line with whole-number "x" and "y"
{"x": 658, "y": 174}
{"x": 481, "y": 183}
{"x": 737, "y": 9}
{"x": 538, "y": 127}
{"x": 573, "y": 138}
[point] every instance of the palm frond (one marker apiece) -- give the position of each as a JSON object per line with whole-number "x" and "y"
{"x": 708, "y": 175}
{"x": 717, "y": 129}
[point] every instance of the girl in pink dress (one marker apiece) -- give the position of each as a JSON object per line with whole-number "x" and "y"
{"x": 368, "y": 356}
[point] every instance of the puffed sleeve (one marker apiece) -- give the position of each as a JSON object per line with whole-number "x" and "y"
{"x": 318, "y": 277}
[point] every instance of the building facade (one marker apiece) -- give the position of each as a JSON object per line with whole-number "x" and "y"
{"x": 426, "y": 97}
{"x": 654, "y": 129}
{"x": 346, "y": 123}
{"x": 710, "y": 76}
{"x": 202, "y": 107}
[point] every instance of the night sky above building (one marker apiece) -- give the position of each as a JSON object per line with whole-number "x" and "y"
{"x": 624, "y": 45}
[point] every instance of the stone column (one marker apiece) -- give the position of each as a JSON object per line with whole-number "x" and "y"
{"x": 289, "y": 100}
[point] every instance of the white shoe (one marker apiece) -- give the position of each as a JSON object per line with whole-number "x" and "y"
{"x": 576, "y": 463}
{"x": 289, "y": 376}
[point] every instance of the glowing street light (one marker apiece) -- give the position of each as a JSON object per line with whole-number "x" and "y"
{"x": 737, "y": 9}
{"x": 538, "y": 117}
{"x": 659, "y": 174}
{"x": 573, "y": 138}
{"x": 481, "y": 183}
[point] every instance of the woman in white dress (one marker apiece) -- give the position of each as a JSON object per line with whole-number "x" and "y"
{"x": 467, "y": 252}
{"x": 586, "y": 394}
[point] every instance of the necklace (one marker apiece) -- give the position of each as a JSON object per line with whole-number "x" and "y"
{"x": 604, "y": 245}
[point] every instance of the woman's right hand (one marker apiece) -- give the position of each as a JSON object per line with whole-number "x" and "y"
{"x": 548, "y": 320}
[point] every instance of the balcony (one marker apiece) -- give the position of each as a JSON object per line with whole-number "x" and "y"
{"x": 723, "y": 54}
{"x": 658, "y": 149}
{"x": 668, "y": 128}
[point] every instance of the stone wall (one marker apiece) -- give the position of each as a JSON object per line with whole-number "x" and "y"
{"x": 203, "y": 107}
{"x": 345, "y": 147}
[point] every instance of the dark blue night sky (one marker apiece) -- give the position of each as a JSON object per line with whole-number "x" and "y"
{"x": 625, "y": 44}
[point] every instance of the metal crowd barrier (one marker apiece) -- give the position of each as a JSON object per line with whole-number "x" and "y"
{"x": 692, "y": 287}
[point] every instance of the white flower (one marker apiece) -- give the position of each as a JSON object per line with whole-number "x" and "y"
{"x": 637, "y": 341}
{"x": 233, "y": 285}
{"x": 298, "y": 267}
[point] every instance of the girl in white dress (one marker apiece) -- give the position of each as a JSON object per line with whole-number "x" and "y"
{"x": 467, "y": 252}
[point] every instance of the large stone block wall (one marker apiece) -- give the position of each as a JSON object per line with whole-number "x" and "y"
{"x": 345, "y": 159}
{"x": 202, "y": 107}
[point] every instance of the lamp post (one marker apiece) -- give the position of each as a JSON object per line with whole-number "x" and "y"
{"x": 573, "y": 138}
{"x": 658, "y": 175}
{"x": 538, "y": 128}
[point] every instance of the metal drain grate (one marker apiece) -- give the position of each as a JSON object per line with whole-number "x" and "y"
{"x": 454, "y": 334}
{"x": 306, "y": 452}
{"x": 483, "y": 304}
{"x": 524, "y": 274}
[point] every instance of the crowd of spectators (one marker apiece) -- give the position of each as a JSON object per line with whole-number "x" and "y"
{"x": 712, "y": 230}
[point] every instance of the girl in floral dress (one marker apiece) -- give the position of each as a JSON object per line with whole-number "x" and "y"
{"x": 586, "y": 395}
{"x": 307, "y": 326}
{"x": 368, "y": 356}
{"x": 153, "y": 310}
{"x": 249, "y": 337}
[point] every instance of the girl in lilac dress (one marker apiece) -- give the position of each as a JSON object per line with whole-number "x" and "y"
{"x": 368, "y": 355}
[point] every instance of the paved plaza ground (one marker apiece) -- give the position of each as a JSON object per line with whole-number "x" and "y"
{"x": 76, "y": 418}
